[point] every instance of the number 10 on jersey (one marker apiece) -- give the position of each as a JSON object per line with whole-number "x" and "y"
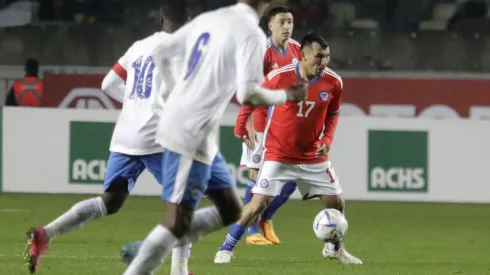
{"x": 143, "y": 77}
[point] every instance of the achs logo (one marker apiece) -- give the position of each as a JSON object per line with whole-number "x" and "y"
{"x": 324, "y": 95}
{"x": 86, "y": 98}
{"x": 295, "y": 60}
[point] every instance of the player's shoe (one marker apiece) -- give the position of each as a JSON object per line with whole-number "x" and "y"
{"x": 37, "y": 244}
{"x": 267, "y": 227}
{"x": 223, "y": 257}
{"x": 342, "y": 255}
{"x": 258, "y": 239}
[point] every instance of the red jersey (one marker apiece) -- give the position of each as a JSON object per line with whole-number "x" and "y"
{"x": 296, "y": 129}
{"x": 273, "y": 59}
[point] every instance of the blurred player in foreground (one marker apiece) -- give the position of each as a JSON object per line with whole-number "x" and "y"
{"x": 297, "y": 142}
{"x": 224, "y": 52}
{"x": 135, "y": 81}
{"x": 281, "y": 51}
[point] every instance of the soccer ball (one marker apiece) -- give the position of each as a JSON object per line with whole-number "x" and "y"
{"x": 129, "y": 251}
{"x": 330, "y": 225}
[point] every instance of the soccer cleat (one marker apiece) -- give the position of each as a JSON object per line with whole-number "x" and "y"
{"x": 223, "y": 257}
{"x": 268, "y": 229}
{"x": 342, "y": 255}
{"x": 37, "y": 244}
{"x": 258, "y": 239}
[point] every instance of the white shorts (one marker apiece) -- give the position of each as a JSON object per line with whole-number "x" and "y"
{"x": 253, "y": 159}
{"x": 312, "y": 180}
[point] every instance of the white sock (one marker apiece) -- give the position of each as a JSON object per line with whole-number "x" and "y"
{"x": 180, "y": 259}
{"x": 79, "y": 214}
{"x": 152, "y": 252}
{"x": 206, "y": 220}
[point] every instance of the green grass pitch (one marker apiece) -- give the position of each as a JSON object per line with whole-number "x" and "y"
{"x": 391, "y": 238}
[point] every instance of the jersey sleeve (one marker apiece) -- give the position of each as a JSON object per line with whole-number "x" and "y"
{"x": 250, "y": 59}
{"x": 242, "y": 119}
{"x": 332, "y": 117}
{"x": 123, "y": 64}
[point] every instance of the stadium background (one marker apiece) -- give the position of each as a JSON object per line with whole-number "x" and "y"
{"x": 411, "y": 151}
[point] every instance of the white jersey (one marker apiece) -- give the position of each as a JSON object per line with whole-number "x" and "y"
{"x": 136, "y": 126}
{"x": 222, "y": 48}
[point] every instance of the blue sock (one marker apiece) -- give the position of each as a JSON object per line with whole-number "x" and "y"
{"x": 248, "y": 191}
{"x": 278, "y": 201}
{"x": 233, "y": 238}
{"x": 254, "y": 228}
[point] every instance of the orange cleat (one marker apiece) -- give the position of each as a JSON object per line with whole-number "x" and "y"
{"x": 257, "y": 239}
{"x": 267, "y": 227}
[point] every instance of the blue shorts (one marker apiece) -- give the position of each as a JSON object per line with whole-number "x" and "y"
{"x": 185, "y": 180}
{"x": 128, "y": 168}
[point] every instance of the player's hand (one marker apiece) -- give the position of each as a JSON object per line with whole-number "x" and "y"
{"x": 249, "y": 141}
{"x": 322, "y": 150}
{"x": 297, "y": 92}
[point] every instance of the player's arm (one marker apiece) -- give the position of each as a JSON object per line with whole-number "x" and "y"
{"x": 250, "y": 67}
{"x": 114, "y": 82}
{"x": 331, "y": 121}
{"x": 244, "y": 120}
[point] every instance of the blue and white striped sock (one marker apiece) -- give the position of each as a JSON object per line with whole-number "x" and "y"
{"x": 233, "y": 238}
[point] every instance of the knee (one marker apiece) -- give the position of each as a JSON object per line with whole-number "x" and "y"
{"x": 181, "y": 226}
{"x": 231, "y": 212}
{"x": 113, "y": 201}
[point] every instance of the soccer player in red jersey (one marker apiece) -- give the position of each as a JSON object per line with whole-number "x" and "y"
{"x": 281, "y": 51}
{"x": 298, "y": 138}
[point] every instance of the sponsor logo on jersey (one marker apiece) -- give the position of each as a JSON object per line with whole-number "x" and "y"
{"x": 397, "y": 161}
{"x": 295, "y": 60}
{"x": 324, "y": 95}
{"x": 89, "y": 150}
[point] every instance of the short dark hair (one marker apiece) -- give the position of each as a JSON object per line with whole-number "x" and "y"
{"x": 31, "y": 66}
{"x": 311, "y": 38}
{"x": 278, "y": 9}
{"x": 175, "y": 11}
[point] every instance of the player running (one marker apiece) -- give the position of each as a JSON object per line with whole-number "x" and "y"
{"x": 281, "y": 51}
{"x": 298, "y": 138}
{"x": 135, "y": 81}
{"x": 224, "y": 52}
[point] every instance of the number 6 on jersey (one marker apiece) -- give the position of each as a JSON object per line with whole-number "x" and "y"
{"x": 196, "y": 53}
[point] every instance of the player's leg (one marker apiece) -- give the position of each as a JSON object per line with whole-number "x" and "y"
{"x": 254, "y": 160}
{"x": 121, "y": 173}
{"x": 271, "y": 180}
{"x": 320, "y": 180}
{"x": 252, "y": 178}
{"x": 266, "y": 217}
{"x": 184, "y": 181}
{"x": 180, "y": 253}
{"x": 180, "y": 259}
